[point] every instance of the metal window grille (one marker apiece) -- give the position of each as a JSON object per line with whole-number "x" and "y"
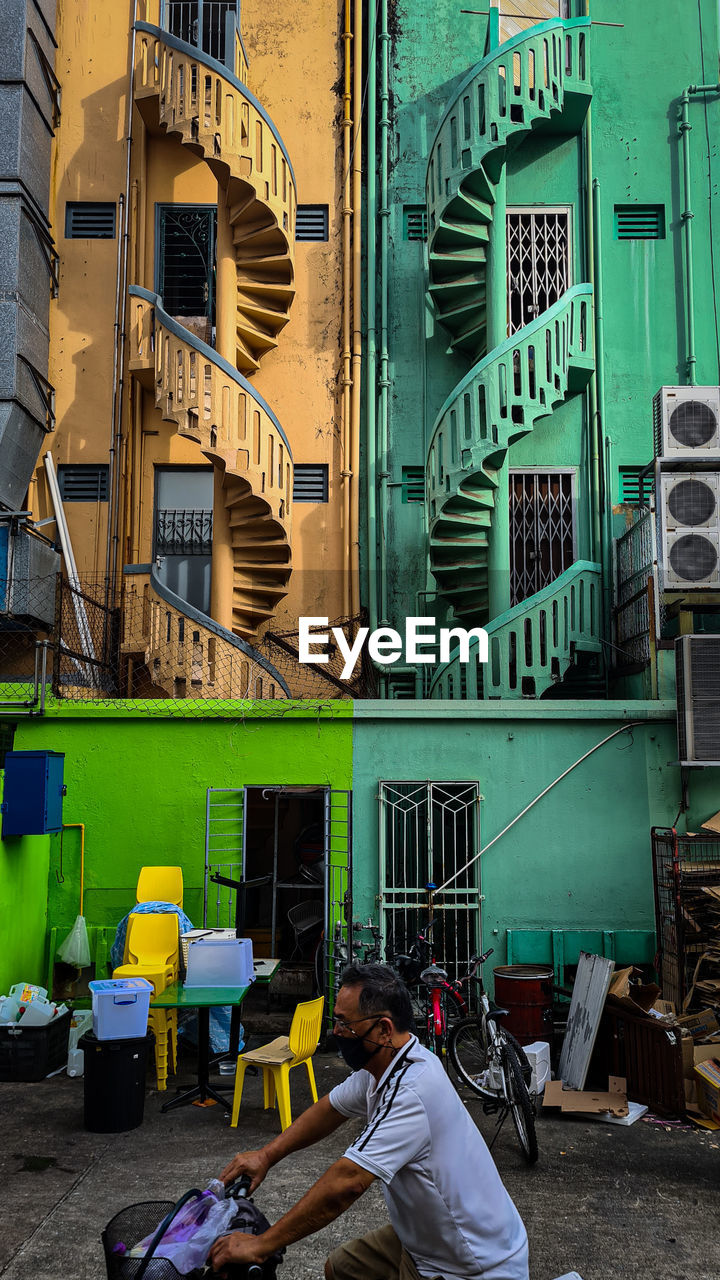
{"x": 428, "y": 831}
{"x": 311, "y": 222}
{"x": 414, "y": 222}
{"x": 83, "y": 483}
{"x": 191, "y": 19}
{"x": 542, "y": 529}
{"x": 413, "y": 484}
{"x": 89, "y": 220}
{"x": 639, "y": 221}
{"x": 310, "y": 482}
{"x": 187, "y": 259}
{"x": 634, "y": 565}
{"x": 183, "y": 533}
{"x": 538, "y": 262}
{"x": 632, "y": 489}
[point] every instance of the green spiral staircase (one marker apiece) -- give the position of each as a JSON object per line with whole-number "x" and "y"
{"x": 537, "y": 82}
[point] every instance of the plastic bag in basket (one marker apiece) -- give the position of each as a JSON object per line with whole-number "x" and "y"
{"x": 191, "y": 1235}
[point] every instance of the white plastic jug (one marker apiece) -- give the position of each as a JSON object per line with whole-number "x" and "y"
{"x": 9, "y": 1009}
{"x": 25, "y": 992}
{"x": 76, "y": 1062}
{"x": 37, "y": 1014}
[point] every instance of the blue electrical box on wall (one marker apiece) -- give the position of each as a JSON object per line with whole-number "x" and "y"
{"x": 33, "y": 793}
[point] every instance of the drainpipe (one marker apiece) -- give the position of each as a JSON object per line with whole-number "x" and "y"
{"x": 114, "y": 491}
{"x": 499, "y": 549}
{"x": 222, "y": 564}
{"x": 599, "y": 380}
{"x": 356, "y": 388}
{"x": 384, "y": 381}
{"x": 370, "y": 408}
{"x": 346, "y": 374}
{"x": 687, "y": 216}
{"x": 595, "y": 424}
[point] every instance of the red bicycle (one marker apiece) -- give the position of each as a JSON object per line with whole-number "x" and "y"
{"x": 437, "y": 1002}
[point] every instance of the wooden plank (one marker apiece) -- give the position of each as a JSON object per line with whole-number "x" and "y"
{"x": 586, "y": 1006}
{"x": 521, "y": 15}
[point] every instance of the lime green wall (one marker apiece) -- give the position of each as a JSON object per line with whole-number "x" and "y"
{"x": 24, "y": 864}
{"x": 138, "y": 782}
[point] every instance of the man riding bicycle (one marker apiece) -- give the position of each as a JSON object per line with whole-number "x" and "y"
{"x": 450, "y": 1215}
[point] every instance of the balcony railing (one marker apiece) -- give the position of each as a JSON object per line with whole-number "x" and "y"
{"x": 183, "y": 533}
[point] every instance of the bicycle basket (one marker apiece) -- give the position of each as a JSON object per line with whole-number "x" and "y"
{"x": 126, "y": 1228}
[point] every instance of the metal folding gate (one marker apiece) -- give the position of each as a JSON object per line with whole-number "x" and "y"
{"x": 428, "y": 831}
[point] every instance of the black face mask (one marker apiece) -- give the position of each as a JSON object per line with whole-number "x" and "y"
{"x": 353, "y": 1050}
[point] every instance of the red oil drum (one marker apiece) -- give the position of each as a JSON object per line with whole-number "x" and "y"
{"x": 527, "y": 991}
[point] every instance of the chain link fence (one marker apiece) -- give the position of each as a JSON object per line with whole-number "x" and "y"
{"x": 77, "y": 645}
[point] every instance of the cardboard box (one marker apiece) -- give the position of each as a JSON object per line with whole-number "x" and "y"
{"x": 694, "y": 1053}
{"x": 629, "y": 992}
{"x": 579, "y": 1101}
{"x": 708, "y": 1088}
{"x": 699, "y": 1025}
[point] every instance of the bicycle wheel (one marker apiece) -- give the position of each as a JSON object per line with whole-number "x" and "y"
{"x": 468, "y": 1049}
{"x": 518, "y": 1098}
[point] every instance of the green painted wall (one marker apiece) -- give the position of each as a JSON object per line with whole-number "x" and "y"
{"x": 24, "y": 862}
{"x": 580, "y": 859}
{"x": 639, "y": 69}
{"x": 138, "y": 782}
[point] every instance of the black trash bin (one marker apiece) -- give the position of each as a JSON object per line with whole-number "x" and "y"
{"x": 115, "y": 1082}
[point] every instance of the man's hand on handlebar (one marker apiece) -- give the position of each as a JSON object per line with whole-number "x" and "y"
{"x": 253, "y": 1163}
{"x": 236, "y": 1248}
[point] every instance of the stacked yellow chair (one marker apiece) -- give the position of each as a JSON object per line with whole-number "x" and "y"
{"x": 277, "y": 1059}
{"x": 160, "y": 884}
{"x": 152, "y": 953}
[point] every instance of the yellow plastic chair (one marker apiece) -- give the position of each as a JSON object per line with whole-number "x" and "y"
{"x": 160, "y": 884}
{"x": 277, "y": 1059}
{"x": 152, "y": 953}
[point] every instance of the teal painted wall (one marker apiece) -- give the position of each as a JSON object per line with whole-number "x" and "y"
{"x": 639, "y": 70}
{"x": 138, "y": 782}
{"x": 580, "y": 859}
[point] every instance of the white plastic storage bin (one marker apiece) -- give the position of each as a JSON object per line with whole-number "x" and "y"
{"x": 120, "y": 1007}
{"x": 220, "y": 962}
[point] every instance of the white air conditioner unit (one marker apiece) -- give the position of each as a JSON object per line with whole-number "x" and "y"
{"x": 688, "y": 506}
{"x": 697, "y": 669}
{"x": 686, "y": 422}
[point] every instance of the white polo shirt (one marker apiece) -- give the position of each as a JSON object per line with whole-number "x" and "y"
{"x": 444, "y": 1195}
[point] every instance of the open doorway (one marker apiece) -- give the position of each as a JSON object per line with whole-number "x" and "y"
{"x": 285, "y": 839}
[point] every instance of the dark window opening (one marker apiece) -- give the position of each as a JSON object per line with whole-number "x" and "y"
{"x": 186, "y": 264}
{"x": 203, "y": 23}
{"x": 83, "y": 482}
{"x": 311, "y": 222}
{"x": 89, "y": 220}
{"x": 310, "y": 482}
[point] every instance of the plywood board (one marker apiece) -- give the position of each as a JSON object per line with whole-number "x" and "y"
{"x": 586, "y": 1005}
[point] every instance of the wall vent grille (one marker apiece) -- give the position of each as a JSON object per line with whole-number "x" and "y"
{"x": 310, "y": 482}
{"x": 311, "y": 222}
{"x": 639, "y": 222}
{"x": 83, "y": 483}
{"x": 89, "y": 220}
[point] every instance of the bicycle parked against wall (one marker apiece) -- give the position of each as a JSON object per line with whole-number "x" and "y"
{"x": 437, "y": 1002}
{"x": 490, "y": 1061}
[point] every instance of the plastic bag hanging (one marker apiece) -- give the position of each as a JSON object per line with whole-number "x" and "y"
{"x": 75, "y": 948}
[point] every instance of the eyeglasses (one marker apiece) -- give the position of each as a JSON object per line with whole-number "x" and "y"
{"x": 343, "y": 1025}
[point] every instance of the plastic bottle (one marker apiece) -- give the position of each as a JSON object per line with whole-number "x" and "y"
{"x": 76, "y": 1062}
{"x": 9, "y": 1009}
